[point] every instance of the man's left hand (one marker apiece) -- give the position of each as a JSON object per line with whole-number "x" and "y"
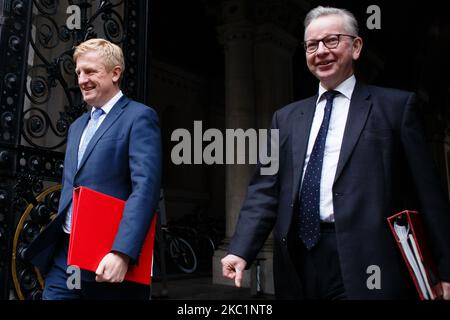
{"x": 112, "y": 268}
{"x": 445, "y": 286}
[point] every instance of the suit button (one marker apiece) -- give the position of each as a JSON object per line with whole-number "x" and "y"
{"x": 337, "y": 194}
{"x": 283, "y": 241}
{"x": 292, "y": 205}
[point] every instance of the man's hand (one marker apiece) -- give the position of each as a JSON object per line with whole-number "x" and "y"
{"x": 233, "y": 268}
{"x": 112, "y": 268}
{"x": 444, "y": 290}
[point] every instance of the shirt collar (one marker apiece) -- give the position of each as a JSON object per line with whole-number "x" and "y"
{"x": 346, "y": 88}
{"x": 108, "y": 106}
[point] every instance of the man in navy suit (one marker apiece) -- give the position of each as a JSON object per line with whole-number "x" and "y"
{"x": 114, "y": 149}
{"x": 345, "y": 155}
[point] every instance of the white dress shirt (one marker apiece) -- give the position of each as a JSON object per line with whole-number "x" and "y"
{"x": 106, "y": 109}
{"x": 338, "y": 119}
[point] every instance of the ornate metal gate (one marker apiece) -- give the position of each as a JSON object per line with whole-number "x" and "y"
{"x": 39, "y": 99}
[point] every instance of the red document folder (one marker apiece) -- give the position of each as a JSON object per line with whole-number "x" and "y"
{"x": 408, "y": 231}
{"x": 95, "y": 222}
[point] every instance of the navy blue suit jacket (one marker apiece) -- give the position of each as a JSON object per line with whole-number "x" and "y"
{"x": 384, "y": 159}
{"x": 123, "y": 160}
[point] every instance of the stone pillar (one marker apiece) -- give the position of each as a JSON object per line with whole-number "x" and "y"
{"x": 274, "y": 49}
{"x": 240, "y": 110}
{"x": 237, "y": 38}
{"x": 236, "y": 35}
{"x": 273, "y": 52}
{"x": 258, "y": 80}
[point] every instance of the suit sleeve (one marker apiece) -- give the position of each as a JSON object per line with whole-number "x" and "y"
{"x": 258, "y": 214}
{"x": 145, "y": 172}
{"x": 434, "y": 204}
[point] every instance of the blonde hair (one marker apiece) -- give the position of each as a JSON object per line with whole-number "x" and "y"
{"x": 111, "y": 53}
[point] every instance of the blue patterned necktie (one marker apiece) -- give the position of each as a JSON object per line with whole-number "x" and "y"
{"x": 309, "y": 216}
{"x": 90, "y": 131}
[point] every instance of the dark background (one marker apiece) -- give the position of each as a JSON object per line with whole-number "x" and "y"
{"x": 409, "y": 52}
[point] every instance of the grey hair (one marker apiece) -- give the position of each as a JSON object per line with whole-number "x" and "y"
{"x": 350, "y": 23}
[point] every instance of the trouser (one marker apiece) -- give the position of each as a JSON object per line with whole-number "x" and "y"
{"x": 319, "y": 268}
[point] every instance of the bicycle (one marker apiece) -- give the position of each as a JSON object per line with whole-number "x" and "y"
{"x": 202, "y": 231}
{"x": 176, "y": 248}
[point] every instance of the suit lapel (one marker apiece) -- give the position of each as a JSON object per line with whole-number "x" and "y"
{"x": 112, "y": 116}
{"x": 357, "y": 115}
{"x": 301, "y": 127}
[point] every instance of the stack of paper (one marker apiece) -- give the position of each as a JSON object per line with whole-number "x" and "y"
{"x": 407, "y": 229}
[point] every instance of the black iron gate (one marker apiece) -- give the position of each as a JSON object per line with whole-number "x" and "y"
{"x": 39, "y": 99}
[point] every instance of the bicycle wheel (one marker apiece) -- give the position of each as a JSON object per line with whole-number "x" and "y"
{"x": 206, "y": 246}
{"x": 183, "y": 255}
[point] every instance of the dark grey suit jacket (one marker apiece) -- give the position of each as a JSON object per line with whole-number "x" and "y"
{"x": 384, "y": 167}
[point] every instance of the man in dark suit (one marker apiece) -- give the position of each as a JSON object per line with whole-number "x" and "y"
{"x": 343, "y": 155}
{"x": 114, "y": 149}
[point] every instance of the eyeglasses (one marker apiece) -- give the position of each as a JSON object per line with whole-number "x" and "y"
{"x": 331, "y": 41}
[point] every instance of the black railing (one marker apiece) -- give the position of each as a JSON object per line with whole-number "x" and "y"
{"x": 39, "y": 97}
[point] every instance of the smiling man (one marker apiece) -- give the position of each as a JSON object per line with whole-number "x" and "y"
{"x": 344, "y": 154}
{"x": 115, "y": 148}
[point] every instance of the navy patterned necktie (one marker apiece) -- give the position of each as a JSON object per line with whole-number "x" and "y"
{"x": 309, "y": 215}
